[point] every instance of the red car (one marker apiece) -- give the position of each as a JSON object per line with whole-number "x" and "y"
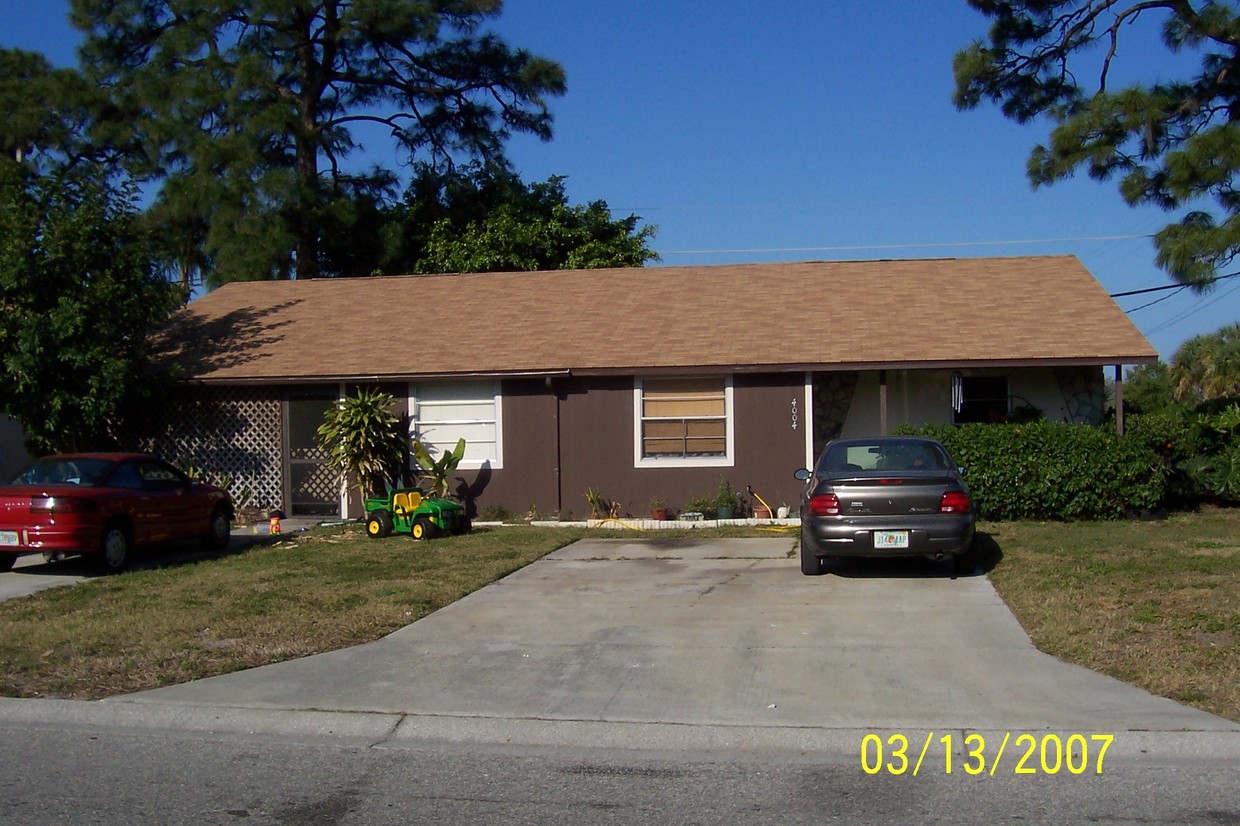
{"x": 107, "y": 504}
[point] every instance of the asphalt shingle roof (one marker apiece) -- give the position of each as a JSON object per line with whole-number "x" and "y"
{"x": 784, "y": 316}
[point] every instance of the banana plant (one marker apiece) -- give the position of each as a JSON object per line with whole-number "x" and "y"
{"x": 437, "y": 471}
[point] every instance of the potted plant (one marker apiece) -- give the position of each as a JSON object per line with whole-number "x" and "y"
{"x": 658, "y": 510}
{"x": 725, "y": 500}
{"x": 698, "y": 508}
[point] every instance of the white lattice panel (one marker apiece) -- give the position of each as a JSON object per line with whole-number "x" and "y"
{"x": 230, "y": 434}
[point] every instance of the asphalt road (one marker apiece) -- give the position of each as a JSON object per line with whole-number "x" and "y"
{"x": 55, "y": 774}
{"x": 659, "y": 681}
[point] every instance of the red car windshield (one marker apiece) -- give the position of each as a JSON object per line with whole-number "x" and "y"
{"x": 55, "y": 470}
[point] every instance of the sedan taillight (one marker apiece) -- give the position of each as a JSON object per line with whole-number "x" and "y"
{"x": 60, "y": 504}
{"x": 955, "y": 502}
{"x": 824, "y": 504}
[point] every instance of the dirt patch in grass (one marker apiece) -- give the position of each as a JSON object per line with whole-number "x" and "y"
{"x": 1156, "y": 604}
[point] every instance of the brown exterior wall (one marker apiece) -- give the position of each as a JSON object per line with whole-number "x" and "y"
{"x": 594, "y": 419}
{"x": 528, "y": 477}
{"x": 769, "y": 449}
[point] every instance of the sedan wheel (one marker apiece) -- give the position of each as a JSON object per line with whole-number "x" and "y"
{"x": 220, "y": 531}
{"x": 811, "y": 564}
{"x": 114, "y": 550}
{"x": 966, "y": 563}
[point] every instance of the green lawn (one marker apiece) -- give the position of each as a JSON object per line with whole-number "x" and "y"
{"x": 1156, "y": 604}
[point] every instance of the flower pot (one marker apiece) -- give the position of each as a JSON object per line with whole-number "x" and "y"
{"x": 724, "y": 513}
{"x": 761, "y": 512}
{"x": 659, "y": 514}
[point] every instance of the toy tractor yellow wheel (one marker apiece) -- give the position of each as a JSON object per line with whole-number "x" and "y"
{"x": 423, "y": 528}
{"x": 379, "y": 525}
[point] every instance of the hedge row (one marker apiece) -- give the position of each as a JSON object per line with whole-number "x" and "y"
{"x": 1041, "y": 470}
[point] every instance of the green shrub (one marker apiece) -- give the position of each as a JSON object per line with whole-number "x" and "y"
{"x": 1042, "y": 470}
{"x": 1176, "y": 440}
{"x": 1198, "y": 449}
{"x": 1216, "y": 467}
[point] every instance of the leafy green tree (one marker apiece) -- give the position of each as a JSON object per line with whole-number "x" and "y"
{"x": 538, "y": 230}
{"x": 79, "y": 297}
{"x": 46, "y": 110}
{"x": 1207, "y": 366}
{"x": 1173, "y": 143}
{"x": 363, "y": 439}
{"x": 248, "y": 110}
{"x": 481, "y": 217}
{"x": 1149, "y": 389}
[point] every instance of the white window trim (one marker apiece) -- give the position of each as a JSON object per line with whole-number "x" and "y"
{"x": 807, "y": 421}
{"x": 726, "y": 460}
{"x": 466, "y": 464}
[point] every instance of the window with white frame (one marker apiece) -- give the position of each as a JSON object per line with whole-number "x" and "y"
{"x": 683, "y": 421}
{"x": 442, "y": 413}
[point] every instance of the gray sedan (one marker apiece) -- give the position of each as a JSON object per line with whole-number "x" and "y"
{"x": 885, "y": 497}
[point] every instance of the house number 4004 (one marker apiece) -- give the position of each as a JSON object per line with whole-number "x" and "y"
{"x": 794, "y": 413}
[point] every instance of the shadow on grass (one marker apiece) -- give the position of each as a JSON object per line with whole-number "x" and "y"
{"x": 163, "y": 555}
{"x": 986, "y": 551}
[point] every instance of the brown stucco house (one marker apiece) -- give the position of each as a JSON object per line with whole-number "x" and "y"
{"x": 639, "y": 383}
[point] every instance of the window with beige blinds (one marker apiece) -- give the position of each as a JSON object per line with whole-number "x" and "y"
{"x": 684, "y": 418}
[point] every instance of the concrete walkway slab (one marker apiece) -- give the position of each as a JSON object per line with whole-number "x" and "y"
{"x": 712, "y": 633}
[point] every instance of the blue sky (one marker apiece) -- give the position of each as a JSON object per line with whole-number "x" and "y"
{"x": 802, "y": 130}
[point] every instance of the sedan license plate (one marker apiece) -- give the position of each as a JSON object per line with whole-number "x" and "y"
{"x": 891, "y": 539}
{"x": 8, "y": 538}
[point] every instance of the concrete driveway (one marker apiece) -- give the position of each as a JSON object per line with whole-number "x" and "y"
{"x": 640, "y": 643}
{"x": 32, "y": 574}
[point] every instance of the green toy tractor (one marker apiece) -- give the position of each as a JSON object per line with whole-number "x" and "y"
{"x": 407, "y": 510}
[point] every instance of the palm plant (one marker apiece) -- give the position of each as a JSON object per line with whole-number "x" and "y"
{"x": 363, "y": 438}
{"x": 1208, "y": 366}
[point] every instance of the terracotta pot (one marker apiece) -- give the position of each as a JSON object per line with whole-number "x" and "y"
{"x": 761, "y": 512}
{"x": 659, "y": 514}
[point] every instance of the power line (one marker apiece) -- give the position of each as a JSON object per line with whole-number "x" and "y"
{"x": 1171, "y": 322}
{"x": 1157, "y": 300}
{"x": 1214, "y": 280}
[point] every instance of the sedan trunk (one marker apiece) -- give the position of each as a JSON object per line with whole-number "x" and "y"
{"x": 891, "y": 495}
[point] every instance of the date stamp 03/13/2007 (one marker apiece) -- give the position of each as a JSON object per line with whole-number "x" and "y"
{"x": 1019, "y": 754}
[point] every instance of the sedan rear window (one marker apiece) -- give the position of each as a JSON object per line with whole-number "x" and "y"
{"x": 883, "y": 456}
{"x": 64, "y": 471}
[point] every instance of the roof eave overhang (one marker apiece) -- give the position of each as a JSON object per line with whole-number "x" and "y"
{"x": 828, "y": 367}
{"x": 704, "y": 369}
{"x": 373, "y": 378}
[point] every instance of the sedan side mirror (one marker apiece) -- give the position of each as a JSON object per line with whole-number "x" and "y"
{"x": 803, "y": 474}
